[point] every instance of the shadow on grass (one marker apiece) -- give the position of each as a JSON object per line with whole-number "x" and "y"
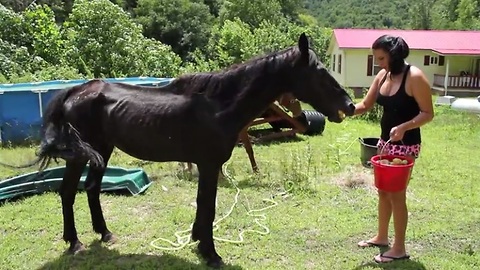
{"x": 259, "y": 137}
{"x": 253, "y": 181}
{"x": 98, "y": 256}
{"x": 403, "y": 264}
{"x": 23, "y": 196}
{"x": 18, "y": 198}
{"x": 245, "y": 183}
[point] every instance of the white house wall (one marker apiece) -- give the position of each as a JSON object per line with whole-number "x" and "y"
{"x": 416, "y": 58}
{"x": 340, "y": 77}
{"x": 458, "y": 64}
{"x": 356, "y": 68}
{"x": 354, "y": 72}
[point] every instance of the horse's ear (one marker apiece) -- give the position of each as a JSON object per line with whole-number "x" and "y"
{"x": 303, "y": 44}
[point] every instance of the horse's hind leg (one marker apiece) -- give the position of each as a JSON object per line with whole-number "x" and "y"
{"x": 93, "y": 185}
{"x": 68, "y": 191}
{"x": 203, "y": 225}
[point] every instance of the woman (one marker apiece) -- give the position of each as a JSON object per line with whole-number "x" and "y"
{"x": 405, "y": 94}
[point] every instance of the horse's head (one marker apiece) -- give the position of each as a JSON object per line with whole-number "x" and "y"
{"x": 316, "y": 86}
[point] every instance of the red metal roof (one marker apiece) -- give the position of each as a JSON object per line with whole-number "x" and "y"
{"x": 440, "y": 41}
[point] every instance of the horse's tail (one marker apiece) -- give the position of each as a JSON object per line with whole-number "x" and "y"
{"x": 59, "y": 139}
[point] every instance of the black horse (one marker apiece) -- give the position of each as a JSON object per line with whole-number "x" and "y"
{"x": 196, "y": 118}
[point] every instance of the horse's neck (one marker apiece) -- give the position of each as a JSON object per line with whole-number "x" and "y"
{"x": 248, "y": 105}
{"x": 190, "y": 84}
{"x": 241, "y": 102}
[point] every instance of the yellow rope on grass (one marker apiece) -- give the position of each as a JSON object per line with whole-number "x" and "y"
{"x": 183, "y": 238}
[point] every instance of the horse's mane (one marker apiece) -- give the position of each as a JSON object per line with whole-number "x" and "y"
{"x": 210, "y": 83}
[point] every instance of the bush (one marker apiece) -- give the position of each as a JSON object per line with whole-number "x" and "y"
{"x": 103, "y": 41}
{"x": 373, "y": 115}
{"x": 45, "y": 74}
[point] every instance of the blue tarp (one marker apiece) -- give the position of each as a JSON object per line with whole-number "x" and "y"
{"x": 22, "y": 104}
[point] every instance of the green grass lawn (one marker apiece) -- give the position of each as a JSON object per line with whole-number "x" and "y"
{"x": 330, "y": 206}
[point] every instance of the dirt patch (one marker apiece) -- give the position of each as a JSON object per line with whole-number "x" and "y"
{"x": 142, "y": 212}
{"x": 355, "y": 177}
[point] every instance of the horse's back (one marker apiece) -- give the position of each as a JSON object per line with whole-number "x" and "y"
{"x": 146, "y": 122}
{"x": 145, "y": 104}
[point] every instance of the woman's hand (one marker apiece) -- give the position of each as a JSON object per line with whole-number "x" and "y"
{"x": 396, "y": 133}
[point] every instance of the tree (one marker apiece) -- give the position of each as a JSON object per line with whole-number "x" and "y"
{"x": 230, "y": 43}
{"x": 234, "y": 42}
{"x": 31, "y": 46}
{"x": 182, "y": 24}
{"x": 214, "y": 6}
{"x": 467, "y": 11}
{"x": 251, "y": 12}
{"x": 271, "y": 37}
{"x": 102, "y": 40}
{"x": 46, "y": 41}
{"x": 61, "y": 8}
{"x": 11, "y": 28}
{"x": 420, "y": 14}
{"x": 291, "y": 8}
{"x": 14, "y": 60}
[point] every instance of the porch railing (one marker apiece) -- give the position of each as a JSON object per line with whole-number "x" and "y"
{"x": 466, "y": 81}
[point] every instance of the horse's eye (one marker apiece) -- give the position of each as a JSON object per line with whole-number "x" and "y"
{"x": 321, "y": 68}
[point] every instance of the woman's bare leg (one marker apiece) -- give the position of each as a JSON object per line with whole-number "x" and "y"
{"x": 384, "y": 214}
{"x": 400, "y": 220}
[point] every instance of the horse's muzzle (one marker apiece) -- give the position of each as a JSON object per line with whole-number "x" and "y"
{"x": 351, "y": 109}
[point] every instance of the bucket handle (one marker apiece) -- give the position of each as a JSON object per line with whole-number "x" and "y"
{"x": 383, "y": 148}
{"x": 384, "y": 145}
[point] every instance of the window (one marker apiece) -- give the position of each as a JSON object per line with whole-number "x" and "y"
{"x": 433, "y": 60}
{"x": 334, "y": 63}
{"x": 441, "y": 60}
{"x": 372, "y": 67}
{"x": 339, "y": 63}
{"x": 426, "y": 60}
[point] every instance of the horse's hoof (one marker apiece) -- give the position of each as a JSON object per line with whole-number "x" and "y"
{"x": 76, "y": 248}
{"x": 215, "y": 263}
{"x": 209, "y": 255}
{"x": 109, "y": 238}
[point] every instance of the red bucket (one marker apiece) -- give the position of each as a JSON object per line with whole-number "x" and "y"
{"x": 391, "y": 177}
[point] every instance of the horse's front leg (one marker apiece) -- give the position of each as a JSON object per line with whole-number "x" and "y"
{"x": 68, "y": 191}
{"x": 93, "y": 185}
{"x": 203, "y": 225}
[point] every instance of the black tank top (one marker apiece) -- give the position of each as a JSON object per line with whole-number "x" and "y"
{"x": 398, "y": 109}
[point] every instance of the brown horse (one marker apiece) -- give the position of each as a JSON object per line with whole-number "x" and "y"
{"x": 196, "y": 118}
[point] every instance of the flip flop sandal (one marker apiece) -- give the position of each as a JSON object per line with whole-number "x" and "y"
{"x": 390, "y": 258}
{"x": 371, "y": 244}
